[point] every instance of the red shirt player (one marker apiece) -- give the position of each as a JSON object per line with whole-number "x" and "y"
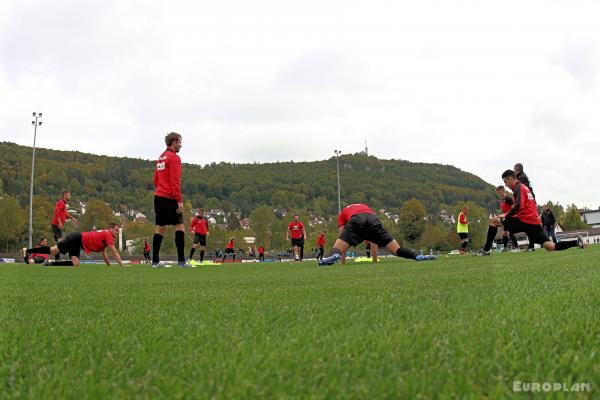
{"x": 35, "y": 258}
{"x": 230, "y": 249}
{"x": 357, "y": 223}
{"x": 321, "y": 245}
{"x": 93, "y": 241}
{"x": 168, "y": 200}
{"x": 298, "y": 235}
{"x": 61, "y": 215}
{"x": 523, "y": 217}
{"x": 199, "y": 228}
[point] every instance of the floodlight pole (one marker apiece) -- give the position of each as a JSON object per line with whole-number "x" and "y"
{"x": 35, "y": 124}
{"x": 337, "y": 157}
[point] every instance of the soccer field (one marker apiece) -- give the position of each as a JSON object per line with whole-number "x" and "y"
{"x": 460, "y": 327}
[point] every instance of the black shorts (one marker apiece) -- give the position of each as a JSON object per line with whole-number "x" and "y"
{"x": 363, "y": 227}
{"x": 229, "y": 251}
{"x": 57, "y": 233}
{"x": 165, "y": 211}
{"x": 534, "y": 232}
{"x": 200, "y": 239}
{"x": 298, "y": 242}
{"x": 463, "y": 235}
{"x": 72, "y": 244}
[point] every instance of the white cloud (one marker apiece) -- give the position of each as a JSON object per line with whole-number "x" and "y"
{"x": 465, "y": 83}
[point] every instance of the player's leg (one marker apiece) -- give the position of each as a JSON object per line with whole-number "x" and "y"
{"x": 202, "y": 246}
{"x": 194, "y": 246}
{"x": 159, "y": 233}
{"x": 180, "y": 243}
{"x": 339, "y": 247}
{"x": 495, "y": 222}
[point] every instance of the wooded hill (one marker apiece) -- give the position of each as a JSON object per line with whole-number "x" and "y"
{"x": 242, "y": 187}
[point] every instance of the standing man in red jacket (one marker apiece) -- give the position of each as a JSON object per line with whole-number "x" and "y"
{"x": 199, "y": 228}
{"x": 168, "y": 201}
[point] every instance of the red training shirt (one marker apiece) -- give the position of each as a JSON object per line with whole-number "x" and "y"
{"x": 230, "y": 244}
{"x": 296, "y": 228}
{"x": 146, "y": 246}
{"x": 321, "y": 240}
{"x": 199, "y": 225}
{"x": 60, "y": 213}
{"x": 351, "y": 210}
{"x": 167, "y": 176}
{"x": 97, "y": 240}
{"x": 506, "y": 204}
{"x": 524, "y": 207}
{"x": 261, "y": 250}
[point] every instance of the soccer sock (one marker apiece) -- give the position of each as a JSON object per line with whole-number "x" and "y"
{"x": 201, "y": 255}
{"x": 565, "y": 245}
{"x": 233, "y": 256}
{"x": 406, "y": 253}
{"x": 505, "y": 241}
{"x": 492, "y": 230}
{"x": 62, "y": 263}
{"x": 192, "y": 251}
{"x": 514, "y": 241}
{"x": 180, "y": 244}
{"x": 463, "y": 245}
{"x": 156, "y": 242}
{"x": 39, "y": 250}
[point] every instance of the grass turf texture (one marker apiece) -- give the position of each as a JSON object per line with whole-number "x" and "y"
{"x": 461, "y": 327}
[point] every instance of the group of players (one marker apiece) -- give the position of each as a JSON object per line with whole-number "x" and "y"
{"x": 357, "y": 223}
{"x": 519, "y": 214}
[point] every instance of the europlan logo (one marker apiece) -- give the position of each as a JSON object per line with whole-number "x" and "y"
{"x": 533, "y": 387}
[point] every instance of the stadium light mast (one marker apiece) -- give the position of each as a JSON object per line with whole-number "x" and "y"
{"x": 35, "y": 124}
{"x": 337, "y": 157}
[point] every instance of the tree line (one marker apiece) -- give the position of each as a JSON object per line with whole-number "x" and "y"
{"x": 418, "y": 192}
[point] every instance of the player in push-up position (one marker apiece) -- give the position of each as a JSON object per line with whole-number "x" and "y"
{"x": 357, "y": 223}
{"x": 73, "y": 243}
{"x": 523, "y": 217}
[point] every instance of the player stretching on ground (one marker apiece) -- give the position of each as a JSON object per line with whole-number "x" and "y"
{"x": 199, "y": 228}
{"x": 462, "y": 228}
{"x": 37, "y": 258}
{"x": 523, "y": 217}
{"x": 73, "y": 243}
{"x": 524, "y": 179}
{"x": 298, "y": 236}
{"x": 168, "y": 201}
{"x": 357, "y": 223}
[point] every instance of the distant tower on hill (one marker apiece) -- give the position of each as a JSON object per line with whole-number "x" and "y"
{"x": 366, "y": 148}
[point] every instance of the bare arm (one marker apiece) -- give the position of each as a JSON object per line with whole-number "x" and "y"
{"x": 105, "y": 256}
{"x": 116, "y": 255}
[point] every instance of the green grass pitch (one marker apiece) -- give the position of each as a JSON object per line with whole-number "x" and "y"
{"x": 460, "y": 327}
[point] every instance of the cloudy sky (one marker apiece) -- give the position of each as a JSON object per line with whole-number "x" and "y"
{"x": 476, "y": 84}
